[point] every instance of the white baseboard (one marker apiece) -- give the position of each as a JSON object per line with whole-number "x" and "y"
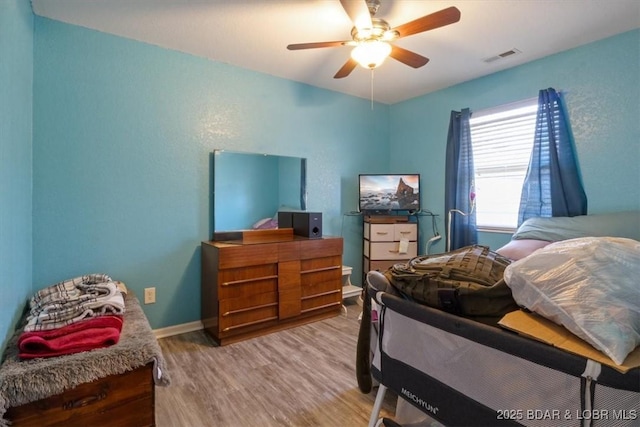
{"x": 178, "y": 329}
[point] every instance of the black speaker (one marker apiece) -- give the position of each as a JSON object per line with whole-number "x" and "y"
{"x": 285, "y": 219}
{"x": 307, "y": 224}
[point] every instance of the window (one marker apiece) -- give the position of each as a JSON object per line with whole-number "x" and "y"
{"x": 502, "y": 139}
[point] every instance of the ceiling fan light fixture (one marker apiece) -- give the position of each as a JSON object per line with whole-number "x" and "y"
{"x": 379, "y": 30}
{"x": 390, "y": 35}
{"x": 363, "y": 33}
{"x": 371, "y": 53}
{"x": 371, "y": 36}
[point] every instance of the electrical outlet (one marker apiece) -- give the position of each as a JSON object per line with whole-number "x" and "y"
{"x": 149, "y": 295}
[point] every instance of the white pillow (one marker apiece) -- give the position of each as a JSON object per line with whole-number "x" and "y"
{"x": 518, "y": 249}
{"x": 590, "y": 285}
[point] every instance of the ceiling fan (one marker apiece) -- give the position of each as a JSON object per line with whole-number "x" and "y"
{"x": 371, "y": 36}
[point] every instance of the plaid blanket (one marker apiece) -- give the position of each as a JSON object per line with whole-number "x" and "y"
{"x": 67, "y": 290}
{"x": 73, "y": 300}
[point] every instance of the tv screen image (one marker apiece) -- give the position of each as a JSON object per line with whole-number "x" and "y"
{"x": 389, "y": 192}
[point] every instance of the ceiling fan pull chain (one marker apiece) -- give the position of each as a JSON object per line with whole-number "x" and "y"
{"x": 372, "y": 89}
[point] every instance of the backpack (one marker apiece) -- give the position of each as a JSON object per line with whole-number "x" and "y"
{"x": 467, "y": 282}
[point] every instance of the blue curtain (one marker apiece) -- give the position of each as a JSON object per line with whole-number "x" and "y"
{"x": 459, "y": 198}
{"x": 552, "y": 186}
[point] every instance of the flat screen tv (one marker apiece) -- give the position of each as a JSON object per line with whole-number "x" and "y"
{"x": 385, "y": 193}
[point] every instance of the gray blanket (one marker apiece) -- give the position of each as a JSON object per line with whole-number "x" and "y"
{"x": 24, "y": 381}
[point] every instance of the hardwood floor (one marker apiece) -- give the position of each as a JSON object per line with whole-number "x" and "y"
{"x": 300, "y": 377}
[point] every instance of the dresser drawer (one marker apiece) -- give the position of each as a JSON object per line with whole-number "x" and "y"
{"x": 319, "y": 264}
{"x": 379, "y": 232}
{"x": 320, "y": 248}
{"x": 381, "y": 266}
{"x": 117, "y": 400}
{"x": 389, "y": 250}
{"x": 327, "y": 300}
{"x": 236, "y": 313}
{"x": 234, "y": 256}
{"x": 289, "y": 303}
{"x": 408, "y": 231}
{"x": 390, "y": 232}
{"x": 333, "y": 274}
{"x": 248, "y": 281}
{"x": 319, "y": 288}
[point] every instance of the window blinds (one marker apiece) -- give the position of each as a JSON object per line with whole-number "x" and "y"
{"x": 502, "y": 139}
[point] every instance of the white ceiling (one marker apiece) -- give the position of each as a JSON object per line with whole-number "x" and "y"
{"x": 253, "y": 34}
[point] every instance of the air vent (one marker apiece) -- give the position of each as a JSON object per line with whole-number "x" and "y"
{"x": 502, "y": 55}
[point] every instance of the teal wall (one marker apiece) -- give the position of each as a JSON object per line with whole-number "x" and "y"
{"x": 122, "y": 137}
{"x": 16, "y": 78}
{"x": 601, "y": 85}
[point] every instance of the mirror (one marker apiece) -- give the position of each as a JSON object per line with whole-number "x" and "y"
{"x": 249, "y": 187}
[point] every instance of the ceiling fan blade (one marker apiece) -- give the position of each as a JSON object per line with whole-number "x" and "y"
{"x": 346, "y": 69}
{"x": 407, "y": 57}
{"x": 435, "y": 20}
{"x": 358, "y": 12}
{"x": 299, "y": 46}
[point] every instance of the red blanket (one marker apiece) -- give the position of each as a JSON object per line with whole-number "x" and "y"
{"x": 95, "y": 332}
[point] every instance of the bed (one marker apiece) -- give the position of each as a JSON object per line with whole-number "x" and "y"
{"x": 460, "y": 372}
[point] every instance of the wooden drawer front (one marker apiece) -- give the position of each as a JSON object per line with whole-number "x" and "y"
{"x": 238, "y": 312}
{"x": 407, "y": 231}
{"x": 317, "y": 248}
{"x": 288, "y": 275}
{"x": 125, "y": 400}
{"x": 247, "y": 255}
{"x": 389, "y": 250}
{"x": 289, "y": 303}
{"x": 319, "y": 288}
{"x": 331, "y": 299}
{"x": 333, "y": 274}
{"x": 245, "y": 282}
{"x": 288, "y": 251}
{"x": 321, "y": 264}
{"x": 379, "y": 232}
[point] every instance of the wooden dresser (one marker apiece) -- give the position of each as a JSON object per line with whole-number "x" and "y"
{"x": 250, "y": 289}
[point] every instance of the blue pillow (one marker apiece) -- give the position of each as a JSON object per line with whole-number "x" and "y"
{"x": 619, "y": 224}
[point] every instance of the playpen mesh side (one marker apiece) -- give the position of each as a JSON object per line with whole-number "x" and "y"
{"x": 529, "y": 393}
{"x": 616, "y": 408}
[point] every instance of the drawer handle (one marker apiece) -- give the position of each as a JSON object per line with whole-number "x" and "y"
{"x": 253, "y": 279}
{"x": 405, "y": 232}
{"x": 321, "y": 294}
{"x": 382, "y": 233}
{"x": 85, "y": 401}
{"x": 255, "y": 307}
{"x": 250, "y": 323}
{"x": 315, "y": 270}
{"x": 320, "y": 307}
